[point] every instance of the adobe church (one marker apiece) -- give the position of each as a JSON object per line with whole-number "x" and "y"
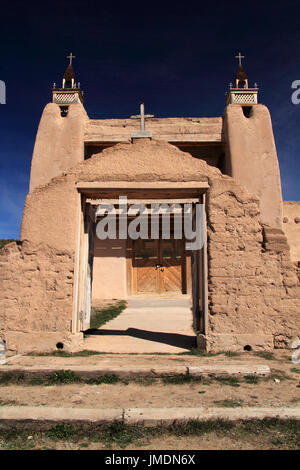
{"x": 243, "y": 283}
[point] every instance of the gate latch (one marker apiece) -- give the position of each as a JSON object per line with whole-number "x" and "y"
{"x": 157, "y": 266}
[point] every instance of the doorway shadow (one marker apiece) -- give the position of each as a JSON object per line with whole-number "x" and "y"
{"x": 172, "y": 339}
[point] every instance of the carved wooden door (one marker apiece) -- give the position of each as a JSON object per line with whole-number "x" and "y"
{"x": 158, "y": 266}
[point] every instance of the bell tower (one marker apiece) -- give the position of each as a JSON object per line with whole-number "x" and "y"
{"x": 250, "y": 151}
{"x": 70, "y": 91}
{"x": 241, "y": 93}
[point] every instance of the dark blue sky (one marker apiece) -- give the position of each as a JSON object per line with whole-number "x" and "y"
{"x": 176, "y": 56}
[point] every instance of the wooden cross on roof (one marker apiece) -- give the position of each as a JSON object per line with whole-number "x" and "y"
{"x": 142, "y": 116}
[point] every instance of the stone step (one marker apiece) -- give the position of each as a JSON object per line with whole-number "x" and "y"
{"x": 91, "y": 371}
{"x": 44, "y": 416}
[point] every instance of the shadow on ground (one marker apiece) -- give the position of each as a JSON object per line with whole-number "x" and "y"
{"x": 172, "y": 339}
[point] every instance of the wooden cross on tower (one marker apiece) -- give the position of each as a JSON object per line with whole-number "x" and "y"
{"x": 71, "y": 56}
{"x": 240, "y": 57}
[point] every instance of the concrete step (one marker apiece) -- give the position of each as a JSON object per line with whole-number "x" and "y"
{"x": 44, "y": 416}
{"x": 89, "y": 371}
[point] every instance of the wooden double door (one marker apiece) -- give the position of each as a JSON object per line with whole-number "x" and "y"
{"x": 159, "y": 266}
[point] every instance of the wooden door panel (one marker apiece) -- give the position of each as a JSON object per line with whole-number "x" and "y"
{"x": 171, "y": 278}
{"x": 144, "y": 262}
{"x": 171, "y": 260}
{"x": 147, "y": 278}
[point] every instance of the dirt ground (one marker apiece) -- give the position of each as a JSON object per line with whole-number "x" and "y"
{"x": 209, "y": 442}
{"x": 235, "y": 436}
{"x": 266, "y": 393}
{"x": 281, "y": 359}
{"x": 282, "y": 388}
{"x": 157, "y": 396}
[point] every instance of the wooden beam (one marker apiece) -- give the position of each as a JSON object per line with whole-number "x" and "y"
{"x": 98, "y": 185}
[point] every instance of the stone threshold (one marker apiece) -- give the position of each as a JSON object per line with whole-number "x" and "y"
{"x": 89, "y": 371}
{"x": 45, "y": 416}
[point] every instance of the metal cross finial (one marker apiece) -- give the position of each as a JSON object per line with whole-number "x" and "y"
{"x": 142, "y": 116}
{"x": 240, "y": 57}
{"x": 71, "y": 56}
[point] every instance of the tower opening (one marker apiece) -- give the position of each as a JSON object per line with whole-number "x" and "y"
{"x": 247, "y": 111}
{"x": 64, "y": 111}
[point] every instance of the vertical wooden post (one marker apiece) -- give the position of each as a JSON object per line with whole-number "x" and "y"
{"x": 204, "y": 269}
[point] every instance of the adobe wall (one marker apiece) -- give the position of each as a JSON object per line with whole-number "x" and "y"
{"x": 36, "y": 296}
{"x": 59, "y": 143}
{"x": 166, "y": 129}
{"x": 251, "y": 158}
{"x": 254, "y": 291}
{"x": 291, "y": 227}
{"x": 143, "y": 160}
{"x": 109, "y": 270}
{"x": 36, "y": 276}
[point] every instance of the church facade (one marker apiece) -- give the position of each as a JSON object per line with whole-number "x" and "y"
{"x": 242, "y": 281}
